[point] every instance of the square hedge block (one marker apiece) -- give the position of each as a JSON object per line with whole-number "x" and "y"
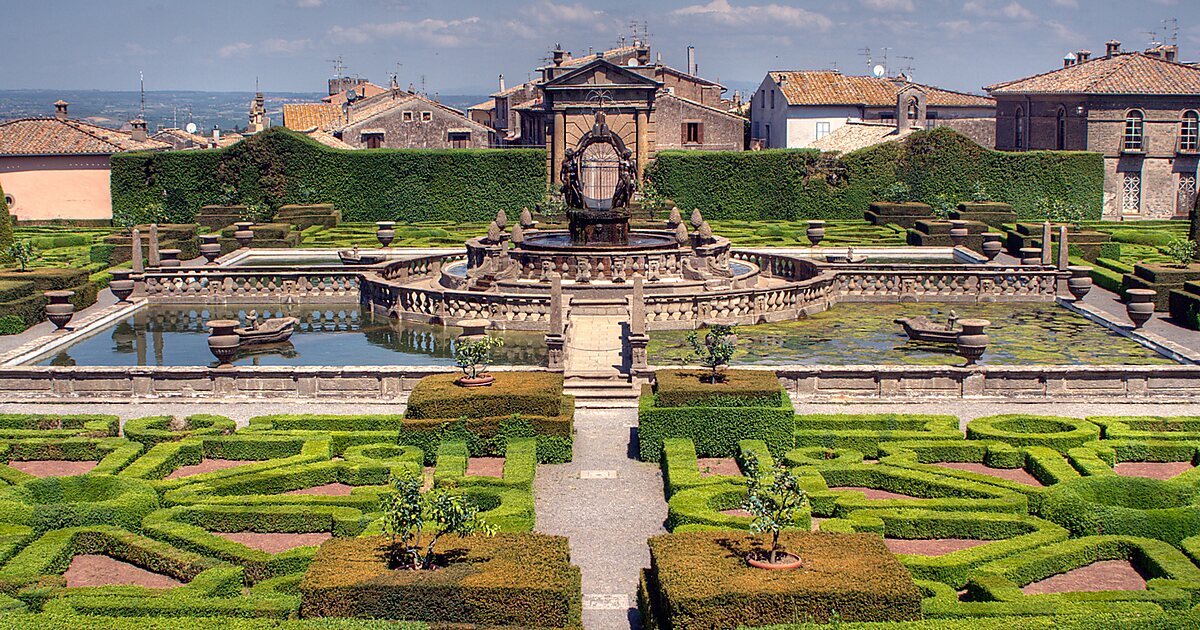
{"x": 741, "y": 388}
{"x": 715, "y": 430}
{"x": 526, "y": 393}
{"x": 513, "y": 579}
{"x": 701, "y": 580}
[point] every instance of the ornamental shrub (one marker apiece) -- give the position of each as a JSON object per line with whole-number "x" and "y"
{"x": 526, "y": 393}
{"x": 6, "y": 226}
{"x": 715, "y": 430}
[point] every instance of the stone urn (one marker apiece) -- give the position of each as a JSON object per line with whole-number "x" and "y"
{"x": 210, "y": 249}
{"x": 243, "y": 234}
{"x": 1080, "y": 281}
{"x": 385, "y": 232}
{"x": 223, "y": 341}
{"x": 991, "y": 245}
{"x": 958, "y": 232}
{"x": 1031, "y": 256}
{"x": 815, "y": 232}
{"x": 1140, "y": 305}
{"x": 121, "y": 284}
{"x": 473, "y": 329}
{"x": 60, "y": 310}
{"x": 972, "y": 341}
{"x": 169, "y": 258}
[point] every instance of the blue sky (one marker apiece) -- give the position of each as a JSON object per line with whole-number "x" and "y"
{"x": 460, "y": 46}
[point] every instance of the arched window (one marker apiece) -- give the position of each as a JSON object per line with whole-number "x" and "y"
{"x": 1189, "y": 132}
{"x": 913, "y": 109}
{"x": 1060, "y": 130}
{"x": 1019, "y": 129}
{"x": 1134, "y": 130}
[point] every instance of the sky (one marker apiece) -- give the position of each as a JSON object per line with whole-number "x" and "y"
{"x": 461, "y": 46}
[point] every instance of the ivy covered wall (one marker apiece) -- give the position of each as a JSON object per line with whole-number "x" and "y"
{"x": 279, "y": 166}
{"x": 807, "y": 184}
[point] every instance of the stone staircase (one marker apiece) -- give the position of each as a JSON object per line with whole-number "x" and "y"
{"x": 595, "y": 355}
{"x": 601, "y": 390}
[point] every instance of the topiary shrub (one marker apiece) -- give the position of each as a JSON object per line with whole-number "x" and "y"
{"x": 1056, "y": 432}
{"x": 526, "y": 393}
{"x": 12, "y": 324}
{"x": 1135, "y": 506}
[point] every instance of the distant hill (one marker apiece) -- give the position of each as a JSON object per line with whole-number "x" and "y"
{"x": 227, "y": 110}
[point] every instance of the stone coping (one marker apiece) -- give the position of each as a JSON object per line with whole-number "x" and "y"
{"x": 80, "y": 328}
{"x": 1156, "y": 342}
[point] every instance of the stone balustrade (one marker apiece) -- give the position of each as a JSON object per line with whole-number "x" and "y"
{"x": 209, "y": 286}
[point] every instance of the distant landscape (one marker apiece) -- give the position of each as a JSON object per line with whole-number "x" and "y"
{"x": 227, "y": 110}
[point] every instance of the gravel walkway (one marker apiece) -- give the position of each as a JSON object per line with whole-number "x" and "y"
{"x": 608, "y": 504}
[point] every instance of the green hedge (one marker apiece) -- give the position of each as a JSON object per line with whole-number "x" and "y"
{"x": 1056, "y": 432}
{"x": 154, "y": 429}
{"x": 741, "y": 388}
{"x": 58, "y": 502}
{"x": 715, "y": 431}
{"x": 866, "y": 432}
{"x": 526, "y": 393}
{"x": 806, "y": 184}
{"x": 279, "y": 167}
{"x": 1135, "y": 506}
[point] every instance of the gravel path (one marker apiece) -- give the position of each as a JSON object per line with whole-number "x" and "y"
{"x": 608, "y": 504}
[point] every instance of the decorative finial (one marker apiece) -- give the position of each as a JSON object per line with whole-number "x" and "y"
{"x": 501, "y": 219}
{"x": 493, "y": 233}
{"x": 526, "y": 218}
{"x": 518, "y": 235}
{"x": 681, "y": 234}
{"x": 675, "y": 218}
{"x": 705, "y": 232}
{"x": 697, "y": 219}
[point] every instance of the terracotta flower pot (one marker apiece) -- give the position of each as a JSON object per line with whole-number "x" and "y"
{"x": 243, "y": 234}
{"x": 210, "y": 249}
{"x": 815, "y": 232}
{"x": 972, "y": 341}
{"x": 991, "y": 246}
{"x": 121, "y": 284}
{"x": 385, "y": 233}
{"x": 1031, "y": 256}
{"x": 483, "y": 380}
{"x": 168, "y": 258}
{"x": 1140, "y": 306}
{"x": 783, "y": 560}
{"x": 958, "y": 232}
{"x": 223, "y": 342}
{"x": 1080, "y": 281}
{"x": 60, "y": 310}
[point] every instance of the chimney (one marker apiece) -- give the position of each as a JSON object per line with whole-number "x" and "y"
{"x": 691, "y": 60}
{"x": 60, "y": 109}
{"x": 1112, "y": 48}
{"x": 558, "y": 55}
{"x": 216, "y": 135}
{"x": 138, "y": 132}
{"x": 643, "y": 55}
{"x": 1069, "y": 60}
{"x": 1083, "y": 56}
{"x": 501, "y": 82}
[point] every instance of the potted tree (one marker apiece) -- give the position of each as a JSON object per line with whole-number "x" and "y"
{"x": 715, "y": 350}
{"x": 23, "y": 252}
{"x": 473, "y": 357}
{"x": 415, "y": 521}
{"x": 1182, "y": 252}
{"x": 774, "y": 498}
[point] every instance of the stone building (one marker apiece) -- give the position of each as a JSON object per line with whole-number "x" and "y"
{"x": 1141, "y": 110}
{"x": 395, "y": 119}
{"x": 794, "y": 109}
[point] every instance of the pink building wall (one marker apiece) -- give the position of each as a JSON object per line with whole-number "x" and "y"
{"x": 57, "y": 186}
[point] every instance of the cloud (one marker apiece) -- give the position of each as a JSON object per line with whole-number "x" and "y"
{"x": 577, "y": 13}
{"x": 279, "y": 46}
{"x": 1015, "y": 11}
{"x": 235, "y": 49}
{"x": 1070, "y": 4}
{"x": 137, "y": 50}
{"x": 752, "y": 15}
{"x": 308, "y": 4}
{"x": 441, "y": 33}
{"x": 890, "y": 5}
{"x": 986, "y": 8}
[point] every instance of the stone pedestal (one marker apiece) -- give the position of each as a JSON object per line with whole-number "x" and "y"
{"x": 556, "y": 356}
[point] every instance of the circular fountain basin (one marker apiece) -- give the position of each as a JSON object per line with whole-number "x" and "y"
{"x": 561, "y": 240}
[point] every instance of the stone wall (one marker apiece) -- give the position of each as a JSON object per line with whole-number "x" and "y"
{"x": 719, "y": 131}
{"x": 405, "y": 127}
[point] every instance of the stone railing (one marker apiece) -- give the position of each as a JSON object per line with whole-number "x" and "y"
{"x": 209, "y": 286}
{"x": 419, "y": 267}
{"x": 745, "y": 306}
{"x": 506, "y": 310}
{"x": 779, "y": 266}
{"x": 949, "y": 283}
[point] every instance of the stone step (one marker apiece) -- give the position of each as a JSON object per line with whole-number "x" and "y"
{"x": 599, "y": 307}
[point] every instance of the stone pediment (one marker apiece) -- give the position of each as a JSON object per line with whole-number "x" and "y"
{"x": 600, "y": 74}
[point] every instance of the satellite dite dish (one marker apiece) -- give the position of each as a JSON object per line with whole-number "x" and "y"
{"x": 879, "y": 70}
{"x": 351, "y": 95}
{"x": 191, "y": 128}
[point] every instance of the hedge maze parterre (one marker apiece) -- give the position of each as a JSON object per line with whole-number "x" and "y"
{"x": 990, "y": 527}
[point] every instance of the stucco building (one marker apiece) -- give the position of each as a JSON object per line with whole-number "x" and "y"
{"x": 1141, "y": 110}
{"x": 794, "y": 109}
{"x": 58, "y": 168}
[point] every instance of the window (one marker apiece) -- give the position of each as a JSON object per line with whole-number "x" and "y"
{"x": 772, "y": 99}
{"x": 458, "y": 139}
{"x": 768, "y": 135}
{"x": 9, "y": 200}
{"x": 1131, "y": 193}
{"x": 1134, "y": 128}
{"x": 693, "y": 133}
{"x": 372, "y": 140}
{"x": 1185, "y": 199}
{"x": 887, "y": 115}
{"x": 1019, "y": 129}
{"x": 822, "y": 130}
{"x": 426, "y": 116}
{"x": 1060, "y": 130}
{"x": 1189, "y": 132}
{"x": 407, "y": 117}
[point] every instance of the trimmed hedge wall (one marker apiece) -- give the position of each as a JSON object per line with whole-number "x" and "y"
{"x": 715, "y": 431}
{"x": 279, "y": 166}
{"x": 806, "y": 184}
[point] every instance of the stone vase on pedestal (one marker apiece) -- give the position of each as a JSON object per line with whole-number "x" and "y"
{"x": 223, "y": 342}
{"x": 972, "y": 341}
{"x": 121, "y": 284}
{"x": 1080, "y": 282}
{"x": 958, "y": 231}
{"x": 60, "y": 310}
{"x": 168, "y": 258}
{"x": 243, "y": 234}
{"x": 991, "y": 245}
{"x": 815, "y": 232}
{"x": 210, "y": 249}
{"x": 385, "y": 232}
{"x": 1031, "y": 256}
{"x": 1140, "y": 305}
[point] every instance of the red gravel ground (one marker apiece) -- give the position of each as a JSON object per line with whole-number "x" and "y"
{"x": 713, "y": 466}
{"x": 1105, "y": 575}
{"x": 96, "y": 570}
{"x": 275, "y": 543}
{"x": 485, "y": 467}
{"x": 1153, "y": 470}
{"x": 874, "y": 493}
{"x": 737, "y": 512}
{"x": 327, "y": 490}
{"x": 932, "y": 546}
{"x": 816, "y": 523}
{"x": 53, "y": 467}
{"x": 1018, "y": 475}
{"x": 205, "y": 465}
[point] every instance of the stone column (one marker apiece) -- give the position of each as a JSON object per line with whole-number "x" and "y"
{"x": 1047, "y": 254}
{"x": 558, "y": 146}
{"x": 139, "y": 263}
{"x": 1064, "y": 255}
{"x": 638, "y": 339}
{"x": 154, "y": 259}
{"x": 556, "y": 341}
{"x": 642, "y": 153}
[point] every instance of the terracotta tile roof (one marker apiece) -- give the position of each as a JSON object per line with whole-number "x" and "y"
{"x": 364, "y": 90}
{"x": 367, "y": 109}
{"x": 611, "y": 53}
{"x": 180, "y": 135}
{"x": 327, "y": 139}
{"x": 857, "y": 135}
{"x": 835, "y": 88}
{"x": 54, "y": 136}
{"x": 302, "y": 116}
{"x": 1126, "y": 73}
{"x": 484, "y": 106}
{"x": 229, "y": 139}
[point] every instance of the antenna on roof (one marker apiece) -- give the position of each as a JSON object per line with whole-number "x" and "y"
{"x": 339, "y": 68}
{"x": 885, "y": 50}
{"x": 142, "y": 107}
{"x": 1171, "y": 25}
{"x": 908, "y": 69}
{"x": 866, "y": 54}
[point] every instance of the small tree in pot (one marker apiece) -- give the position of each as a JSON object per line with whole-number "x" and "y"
{"x": 1182, "y": 252}
{"x": 473, "y": 357}
{"x": 715, "y": 350}
{"x": 23, "y": 252}
{"x": 774, "y": 498}
{"x": 415, "y": 521}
